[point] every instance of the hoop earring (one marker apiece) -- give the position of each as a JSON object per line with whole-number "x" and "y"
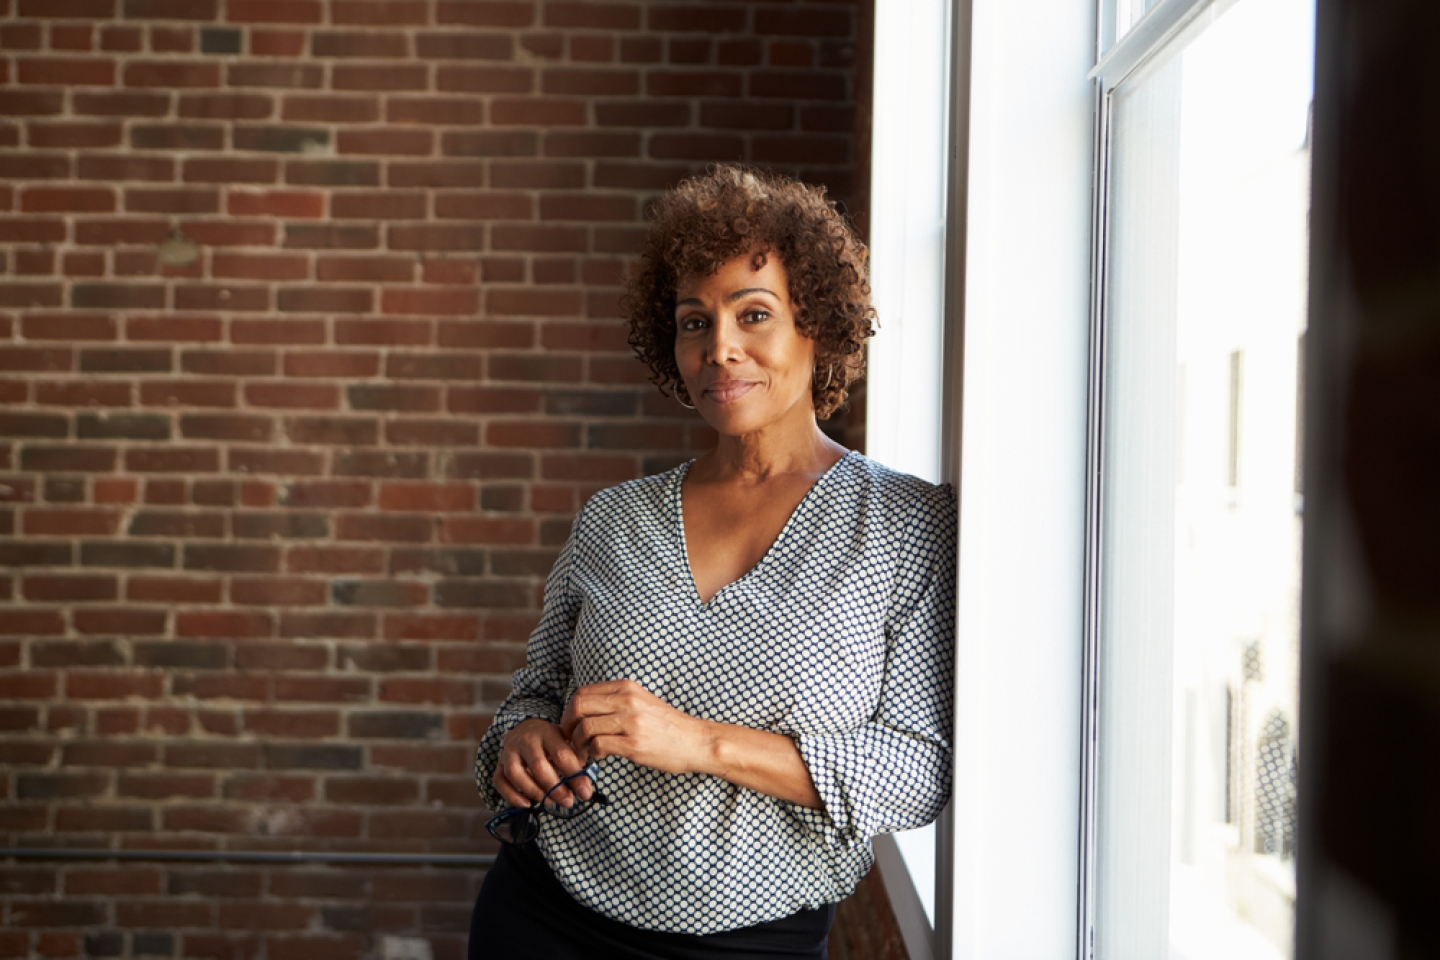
{"x": 828, "y": 377}
{"x": 682, "y": 402}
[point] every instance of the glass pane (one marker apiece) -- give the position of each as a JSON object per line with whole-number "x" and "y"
{"x": 1201, "y": 518}
{"x": 1117, "y": 17}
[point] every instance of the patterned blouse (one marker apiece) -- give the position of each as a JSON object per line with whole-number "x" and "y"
{"x": 840, "y": 637}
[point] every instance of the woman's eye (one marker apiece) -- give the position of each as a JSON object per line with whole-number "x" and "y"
{"x": 690, "y": 324}
{"x": 757, "y": 316}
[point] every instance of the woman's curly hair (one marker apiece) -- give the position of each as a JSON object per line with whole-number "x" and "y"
{"x": 733, "y": 210}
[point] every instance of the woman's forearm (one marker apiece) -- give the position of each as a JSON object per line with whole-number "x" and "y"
{"x": 768, "y": 763}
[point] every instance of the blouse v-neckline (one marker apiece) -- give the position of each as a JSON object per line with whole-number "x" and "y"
{"x": 677, "y": 507}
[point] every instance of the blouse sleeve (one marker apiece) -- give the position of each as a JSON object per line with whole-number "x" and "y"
{"x": 893, "y": 773}
{"x": 539, "y": 687}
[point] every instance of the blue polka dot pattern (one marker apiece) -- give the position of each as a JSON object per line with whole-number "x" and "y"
{"x": 842, "y": 637}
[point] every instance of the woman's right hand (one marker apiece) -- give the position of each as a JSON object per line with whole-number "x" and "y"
{"x": 534, "y": 756}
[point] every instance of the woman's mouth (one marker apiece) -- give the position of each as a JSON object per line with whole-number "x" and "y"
{"x": 728, "y": 391}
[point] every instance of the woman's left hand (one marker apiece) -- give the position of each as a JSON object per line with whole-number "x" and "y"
{"x": 620, "y": 718}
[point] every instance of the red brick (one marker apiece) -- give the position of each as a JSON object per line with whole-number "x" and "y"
{"x": 333, "y": 560}
{"x": 331, "y": 363}
{"x": 379, "y": 77}
{"x": 124, "y": 881}
{"x": 275, "y": 203}
{"x": 427, "y": 497}
{"x": 693, "y": 83}
{"x": 278, "y": 593}
{"x": 116, "y": 685}
{"x": 533, "y": 303}
{"x": 84, "y": 264}
{"x": 486, "y": 530}
{"x": 294, "y": 76}
{"x": 32, "y": 686}
{"x": 450, "y": 271}
{"x": 372, "y": 791}
{"x": 273, "y": 11}
{"x": 332, "y": 43}
{"x": 493, "y": 13}
{"x": 34, "y": 263}
{"x": 66, "y": 71}
{"x": 594, "y": 48}
{"x": 128, "y": 39}
{"x": 31, "y": 103}
{"x": 81, "y": 394}
{"x": 391, "y": 529}
{"x": 431, "y": 627}
{"x": 172, "y": 590}
{"x": 344, "y": 626}
{"x": 156, "y": 786}
{"x": 173, "y": 460}
{"x": 186, "y": 393}
{"x": 590, "y": 337}
{"x": 436, "y": 173}
{"x": 182, "y": 200}
{"x": 383, "y": 142}
{"x": 120, "y": 621}
{"x": 315, "y": 947}
{"x": 236, "y": 624}
{"x": 484, "y": 79}
{"x": 620, "y": 16}
{"x": 439, "y": 111}
{"x": 114, "y": 490}
{"x": 173, "y": 329}
{"x": 171, "y": 74}
{"x": 75, "y": 522}
{"x": 379, "y": 12}
{"x": 300, "y": 724}
{"x": 427, "y": 690}
{"x": 493, "y": 400}
{"x": 395, "y": 333}
{"x": 230, "y": 170}
{"x": 802, "y": 149}
{"x": 259, "y": 267}
{"x": 403, "y": 300}
{"x": 290, "y": 463}
{"x": 308, "y": 396}
{"x": 69, "y": 589}
{"x": 37, "y": 622}
{"x": 477, "y": 205}
{"x": 643, "y": 113}
{"x": 276, "y": 43}
{"x": 378, "y": 205}
{"x": 692, "y": 146}
{"x": 431, "y": 433}
{"x": 14, "y": 230}
{"x": 75, "y": 326}
{"x": 326, "y": 109}
{"x": 224, "y": 106}
{"x": 80, "y": 135}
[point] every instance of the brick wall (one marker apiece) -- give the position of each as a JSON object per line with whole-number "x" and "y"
{"x": 308, "y": 354}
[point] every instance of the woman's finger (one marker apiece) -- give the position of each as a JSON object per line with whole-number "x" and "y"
{"x": 511, "y": 772}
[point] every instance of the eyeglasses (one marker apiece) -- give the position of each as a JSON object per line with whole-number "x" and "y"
{"x": 522, "y": 824}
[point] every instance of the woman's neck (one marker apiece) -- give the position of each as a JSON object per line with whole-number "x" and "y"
{"x": 778, "y": 450}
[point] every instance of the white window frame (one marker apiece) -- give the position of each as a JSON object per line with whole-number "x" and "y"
{"x": 1014, "y": 360}
{"x": 1024, "y": 194}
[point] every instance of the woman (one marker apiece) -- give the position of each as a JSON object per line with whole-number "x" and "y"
{"x": 753, "y": 650}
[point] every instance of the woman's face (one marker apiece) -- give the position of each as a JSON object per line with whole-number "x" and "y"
{"x": 745, "y": 364}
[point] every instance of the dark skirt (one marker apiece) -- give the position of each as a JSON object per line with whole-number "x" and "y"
{"x": 523, "y": 912}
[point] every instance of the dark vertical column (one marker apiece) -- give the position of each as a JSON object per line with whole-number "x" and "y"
{"x": 1370, "y": 751}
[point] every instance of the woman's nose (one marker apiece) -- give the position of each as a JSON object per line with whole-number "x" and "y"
{"x": 724, "y": 342}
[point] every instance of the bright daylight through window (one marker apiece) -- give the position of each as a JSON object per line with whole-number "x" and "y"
{"x": 1199, "y": 499}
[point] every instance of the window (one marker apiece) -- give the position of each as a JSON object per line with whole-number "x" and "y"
{"x": 1195, "y": 580}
